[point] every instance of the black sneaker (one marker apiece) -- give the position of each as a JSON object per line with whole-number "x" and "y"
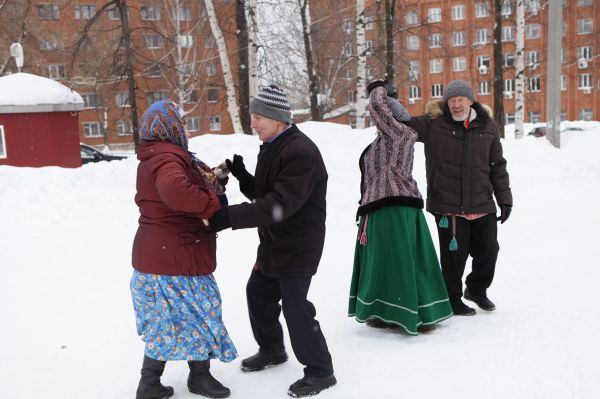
{"x": 261, "y": 360}
{"x": 460, "y": 309}
{"x": 309, "y": 386}
{"x": 480, "y": 300}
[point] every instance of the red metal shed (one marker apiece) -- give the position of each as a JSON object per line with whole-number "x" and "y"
{"x": 39, "y": 122}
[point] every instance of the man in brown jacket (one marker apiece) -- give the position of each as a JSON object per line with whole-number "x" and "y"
{"x": 465, "y": 170}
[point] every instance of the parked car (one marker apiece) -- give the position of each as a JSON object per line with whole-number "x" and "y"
{"x": 90, "y": 154}
{"x": 539, "y": 131}
{"x": 572, "y": 129}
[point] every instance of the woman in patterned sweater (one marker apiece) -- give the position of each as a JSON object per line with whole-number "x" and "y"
{"x": 396, "y": 279}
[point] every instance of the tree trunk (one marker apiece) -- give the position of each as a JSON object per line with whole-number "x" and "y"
{"x": 243, "y": 69}
{"x": 390, "y": 19}
{"x": 252, "y": 48}
{"x": 498, "y": 69}
{"x": 313, "y": 84}
{"x": 232, "y": 106}
{"x": 361, "y": 73}
{"x": 520, "y": 71}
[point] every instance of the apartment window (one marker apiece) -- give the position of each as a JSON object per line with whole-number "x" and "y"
{"x": 209, "y": 41}
{"x": 347, "y": 51}
{"x": 563, "y": 83}
{"x": 585, "y": 81}
{"x": 369, "y": 47}
{"x": 349, "y": 96}
{"x": 507, "y": 8}
{"x": 213, "y": 95}
{"x": 152, "y": 70}
{"x": 563, "y": 55}
{"x": 369, "y": 22}
{"x": 414, "y": 92}
{"x": 56, "y": 71}
{"x": 48, "y": 11}
{"x": 483, "y": 63}
{"x": 584, "y": 26}
{"x": 581, "y": 3}
{"x": 534, "y": 84}
{"x": 482, "y": 9}
{"x": 533, "y": 59}
{"x": 211, "y": 68}
{"x": 185, "y": 41}
{"x": 348, "y": 26}
{"x": 149, "y": 13}
{"x": 435, "y": 40}
{"x": 434, "y": 14}
{"x": 192, "y": 124}
{"x": 584, "y": 53}
{"x": 414, "y": 67}
{"x": 122, "y": 99}
{"x": 533, "y": 31}
{"x": 153, "y": 41}
{"x": 436, "y": 65}
{"x": 509, "y": 117}
{"x": 124, "y": 128}
{"x": 182, "y": 14}
{"x": 51, "y": 44}
{"x": 458, "y": 39}
{"x": 482, "y": 36}
{"x": 185, "y": 70}
{"x": 91, "y": 100}
{"x": 509, "y": 60}
{"x": 585, "y": 114}
{"x": 484, "y": 87}
{"x": 91, "y": 129}
{"x": 508, "y": 33}
{"x": 459, "y": 64}
{"x": 437, "y": 90}
{"x": 458, "y": 12}
{"x": 113, "y": 14}
{"x": 2, "y": 141}
{"x": 156, "y": 95}
{"x": 370, "y": 71}
{"x": 533, "y": 117}
{"x": 509, "y": 87}
{"x": 411, "y": 18}
{"x": 412, "y": 42}
{"x": 532, "y": 6}
{"x": 85, "y": 11}
{"x": 215, "y": 123}
{"x": 190, "y": 97}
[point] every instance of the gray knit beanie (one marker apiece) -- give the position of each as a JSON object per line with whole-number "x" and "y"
{"x": 400, "y": 113}
{"x": 271, "y": 102}
{"x": 458, "y": 88}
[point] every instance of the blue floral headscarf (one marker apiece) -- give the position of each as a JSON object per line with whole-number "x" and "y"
{"x": 163, "y": 121}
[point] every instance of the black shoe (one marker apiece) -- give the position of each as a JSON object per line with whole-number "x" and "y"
{"x": 481, "y": 300}
{"x": 201, "y": 382}
{"x": 262, "y": 360}
{"x": 309, "y": 386}
{"x": 460, "y": 309}
{"x": 377, "y": 323}
{"x": 150, "y": 386}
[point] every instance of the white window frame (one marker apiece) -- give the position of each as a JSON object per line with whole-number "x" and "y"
{"x": 585, "y": 26}
{"x": 483, "y": 88}
{"x": 50, "y": 44}
{"x": 122, "y": 99}
{"x": 411, "y": 18}
{"x": 153, "y": 41}
{"x": 48, "y": 12}
{"x": 182, "y": 13}
{"x": 192, "y": 124}
{"x": 3, "y": 153}
{"x": 124, "y": 128}
{"x": 348, "y": 25}
{"x": 414, "y": 93}
{"x": 459, "y": 39}
{"x": 185, "y": 41}
{"x": 508, "y": 57}
{"x": 534, "y": 116}
{"x": 507, "y": 8}
{"x": 414, "y": 68}
{"x": 458, "y": 12}
{"x": 350, "y": 97}
{"x": 437, "y": 90}
{"x": 412, "y": 42}
{"x": 369, "y": 22}
{"x": 459, "y": 64}
{"x": 482, "y": 9}
{"x": 347, "y": 50}
{"x": 435, "y": 40}
{"x": 369, "y": 47}
{"x": 509, "y": 87}
{"x": 92, "y": 129}
{"x": 534, "y": 84}
{"x": 153, "y": 96}
{"x": 533, "y": 31}
{"x": 436, "y": 65}
{"x": 482, "y": 36}
{"x": 508, "y": 34}
{"x": 434, "y": 15}
{"x": 483, "y": 60}
{"x": 586, "y": 114}
{"x": 564, "y": 82}
{"x": 212, "y": 92}
{"x": 86, "y": 100}
{"x": 584, "y": 52}
{"x": 150, "y": 13}
{"x": 585, "y": 81}
{"x": 210, "y": 68}
{"x": 533, "y": 58}
{"x": 214, "y": 123}
{"x": 57, "y": 71}
{"x": 84, "y": 11}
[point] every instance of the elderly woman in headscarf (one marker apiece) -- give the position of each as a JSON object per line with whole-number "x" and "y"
{"x": 175, "y": 296}
{"x": 396, "y": 279}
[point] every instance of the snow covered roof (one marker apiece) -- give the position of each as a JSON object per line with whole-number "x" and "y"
{"x": 24, "y": 92}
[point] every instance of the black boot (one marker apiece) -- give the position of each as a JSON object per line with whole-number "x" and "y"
{"x": 309, "y": 386}
{"x": 460, "y": 309}
{"x": 201, "y": 382}
{"x": 481, "y": 300}
{"x": 263, "y": 360}
{"x": 150, "y": 386}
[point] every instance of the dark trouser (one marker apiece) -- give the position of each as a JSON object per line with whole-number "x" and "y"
{"x": 477, "y": 238}
{"x": 308, "y": 342}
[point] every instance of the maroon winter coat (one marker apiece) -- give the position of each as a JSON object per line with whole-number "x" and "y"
{"x": 173, "y": 198}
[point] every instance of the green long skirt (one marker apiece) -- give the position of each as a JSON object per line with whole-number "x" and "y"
{"x": 397, "y": 276}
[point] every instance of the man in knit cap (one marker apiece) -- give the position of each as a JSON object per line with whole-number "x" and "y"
{"x": 287, "y": 192}
{"x": 465, "y": 170}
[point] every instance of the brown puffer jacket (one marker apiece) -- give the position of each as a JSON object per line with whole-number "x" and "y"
{"x": 465, "y": 167}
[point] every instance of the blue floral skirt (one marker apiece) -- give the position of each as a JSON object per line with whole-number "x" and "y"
{"x": 179, "y": 317}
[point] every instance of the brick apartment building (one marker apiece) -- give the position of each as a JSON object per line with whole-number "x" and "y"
{"x": 175, "y": 57}
{"x": 438, "y": 41}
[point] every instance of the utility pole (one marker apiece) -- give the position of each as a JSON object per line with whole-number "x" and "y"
{"x": 553, "y": 75}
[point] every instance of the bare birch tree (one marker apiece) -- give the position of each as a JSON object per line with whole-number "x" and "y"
{"x": 313, "y": 83}
{"x": 361, "y": 57}
{"x": 242, "y": 34}
{"x": 251, "y": 8}
{"x": 498, "y": 68}
{"x": 520, "y": 71}
{"x": 232, "y": 106}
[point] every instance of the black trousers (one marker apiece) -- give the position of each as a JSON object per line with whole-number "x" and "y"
{"x": 478, "y": 238}
{"x": 263, "y": 294}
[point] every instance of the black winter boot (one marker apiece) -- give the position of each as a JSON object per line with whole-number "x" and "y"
{"x": 150, "y": 386}
{"x": 310, "y": 386}
{"x": 262, "y": 360}
{"x": 201, "y": 382}
{"x": 481, "y": 300}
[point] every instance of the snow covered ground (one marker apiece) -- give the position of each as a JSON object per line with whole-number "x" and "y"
{"x": 68, "y": 329}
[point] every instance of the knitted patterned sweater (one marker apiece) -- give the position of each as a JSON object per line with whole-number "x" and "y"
{"x": 386, "y": 164}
